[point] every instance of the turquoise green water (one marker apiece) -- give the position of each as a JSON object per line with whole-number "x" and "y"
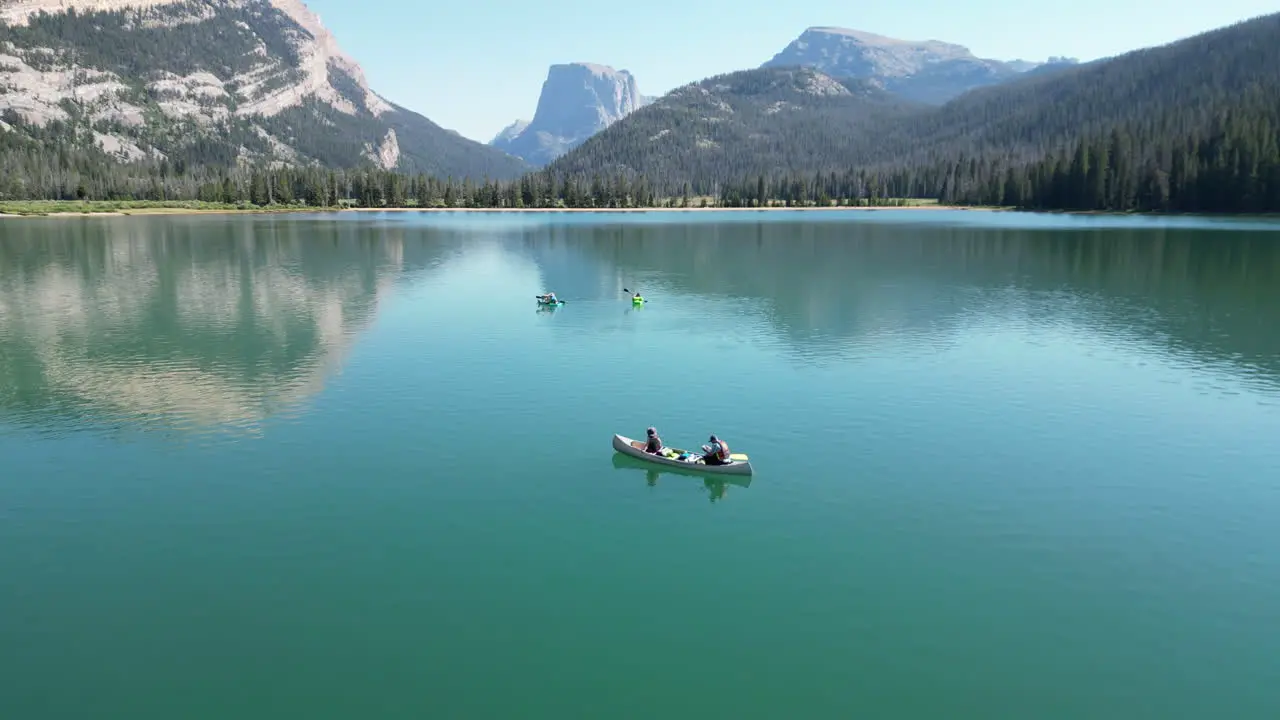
{"x": 333, "y": 467}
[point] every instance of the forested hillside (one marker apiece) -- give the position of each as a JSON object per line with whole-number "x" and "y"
{"x": 1188, "y": 126}
{"x": 1192, "y": 126}
{"x": 770, "y": 121}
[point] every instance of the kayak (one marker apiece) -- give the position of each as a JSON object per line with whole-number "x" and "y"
{"x": 739, "y": 464}
{"x": 637, "y": 302}
{"x": 557, "y": 303}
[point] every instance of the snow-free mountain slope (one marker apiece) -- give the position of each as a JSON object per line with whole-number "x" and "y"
{"x": 208, "y": 82}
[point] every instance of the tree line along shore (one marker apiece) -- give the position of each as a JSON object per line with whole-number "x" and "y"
{"x": 1188, "y": 127}
{"x": 64, "y": 208}
{"x": 1231, "y": 172}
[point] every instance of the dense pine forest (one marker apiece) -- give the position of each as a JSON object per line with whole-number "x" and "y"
{"x": 1189, "y": 127}
{"x": 1234, "y": 169}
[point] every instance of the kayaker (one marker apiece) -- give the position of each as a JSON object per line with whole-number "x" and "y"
{"x": 548, "y": 298}
{"x": 717, "y": 452}
{"x": 636, "y": 298}
{"x": 654, "y": 444}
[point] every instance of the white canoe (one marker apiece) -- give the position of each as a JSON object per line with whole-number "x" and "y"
{"x": 740, "y": 465}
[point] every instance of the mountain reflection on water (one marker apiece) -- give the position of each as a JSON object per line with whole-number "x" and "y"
{"x": 202, "y": 322}
{"x": 1209, "y": 295}
{"x": 188, "y": 323}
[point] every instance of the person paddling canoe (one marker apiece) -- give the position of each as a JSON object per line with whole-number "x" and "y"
{"x": 549, "y": 298}
{"x": 637, "y": 298}
{"x": 717, "y": 452}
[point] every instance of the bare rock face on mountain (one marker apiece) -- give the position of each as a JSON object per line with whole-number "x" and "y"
{"x": 510, "y": 132}
{"x": 928, "y": 71}
{"x": 212, "y": 82}
{"x": 578, "y": 100}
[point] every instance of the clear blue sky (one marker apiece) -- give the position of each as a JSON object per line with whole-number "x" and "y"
{"x": 475, "y": 66}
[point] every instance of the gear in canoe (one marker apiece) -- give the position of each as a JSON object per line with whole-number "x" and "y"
{"x": 716, "y": 457}
{"x": 549, "y": 299}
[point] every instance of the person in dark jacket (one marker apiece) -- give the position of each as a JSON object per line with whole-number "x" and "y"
{"x": 654, "y": 443}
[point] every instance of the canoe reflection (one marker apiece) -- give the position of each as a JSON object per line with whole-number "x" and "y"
{"x": 716, "y": 486}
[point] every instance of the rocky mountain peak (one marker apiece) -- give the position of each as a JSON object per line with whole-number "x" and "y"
{"x": 509, "y": 132}
{"x": 577, "y": 101}
{"x": 919, "y": 50}
{"x": 930, "y": 71}
{"x": 263, "y": 80}
{"x": 318, "y": 50}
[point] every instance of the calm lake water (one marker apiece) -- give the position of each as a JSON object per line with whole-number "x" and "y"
{"x": 1007, "y": 466}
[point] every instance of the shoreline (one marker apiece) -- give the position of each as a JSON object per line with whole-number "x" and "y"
{"x": 675, "y": 209}
{"x": 853, "y": 208}
{"x": 179, "y": 210}
{"x": 175, "y": 210}
{"x": 31, "y": 210}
